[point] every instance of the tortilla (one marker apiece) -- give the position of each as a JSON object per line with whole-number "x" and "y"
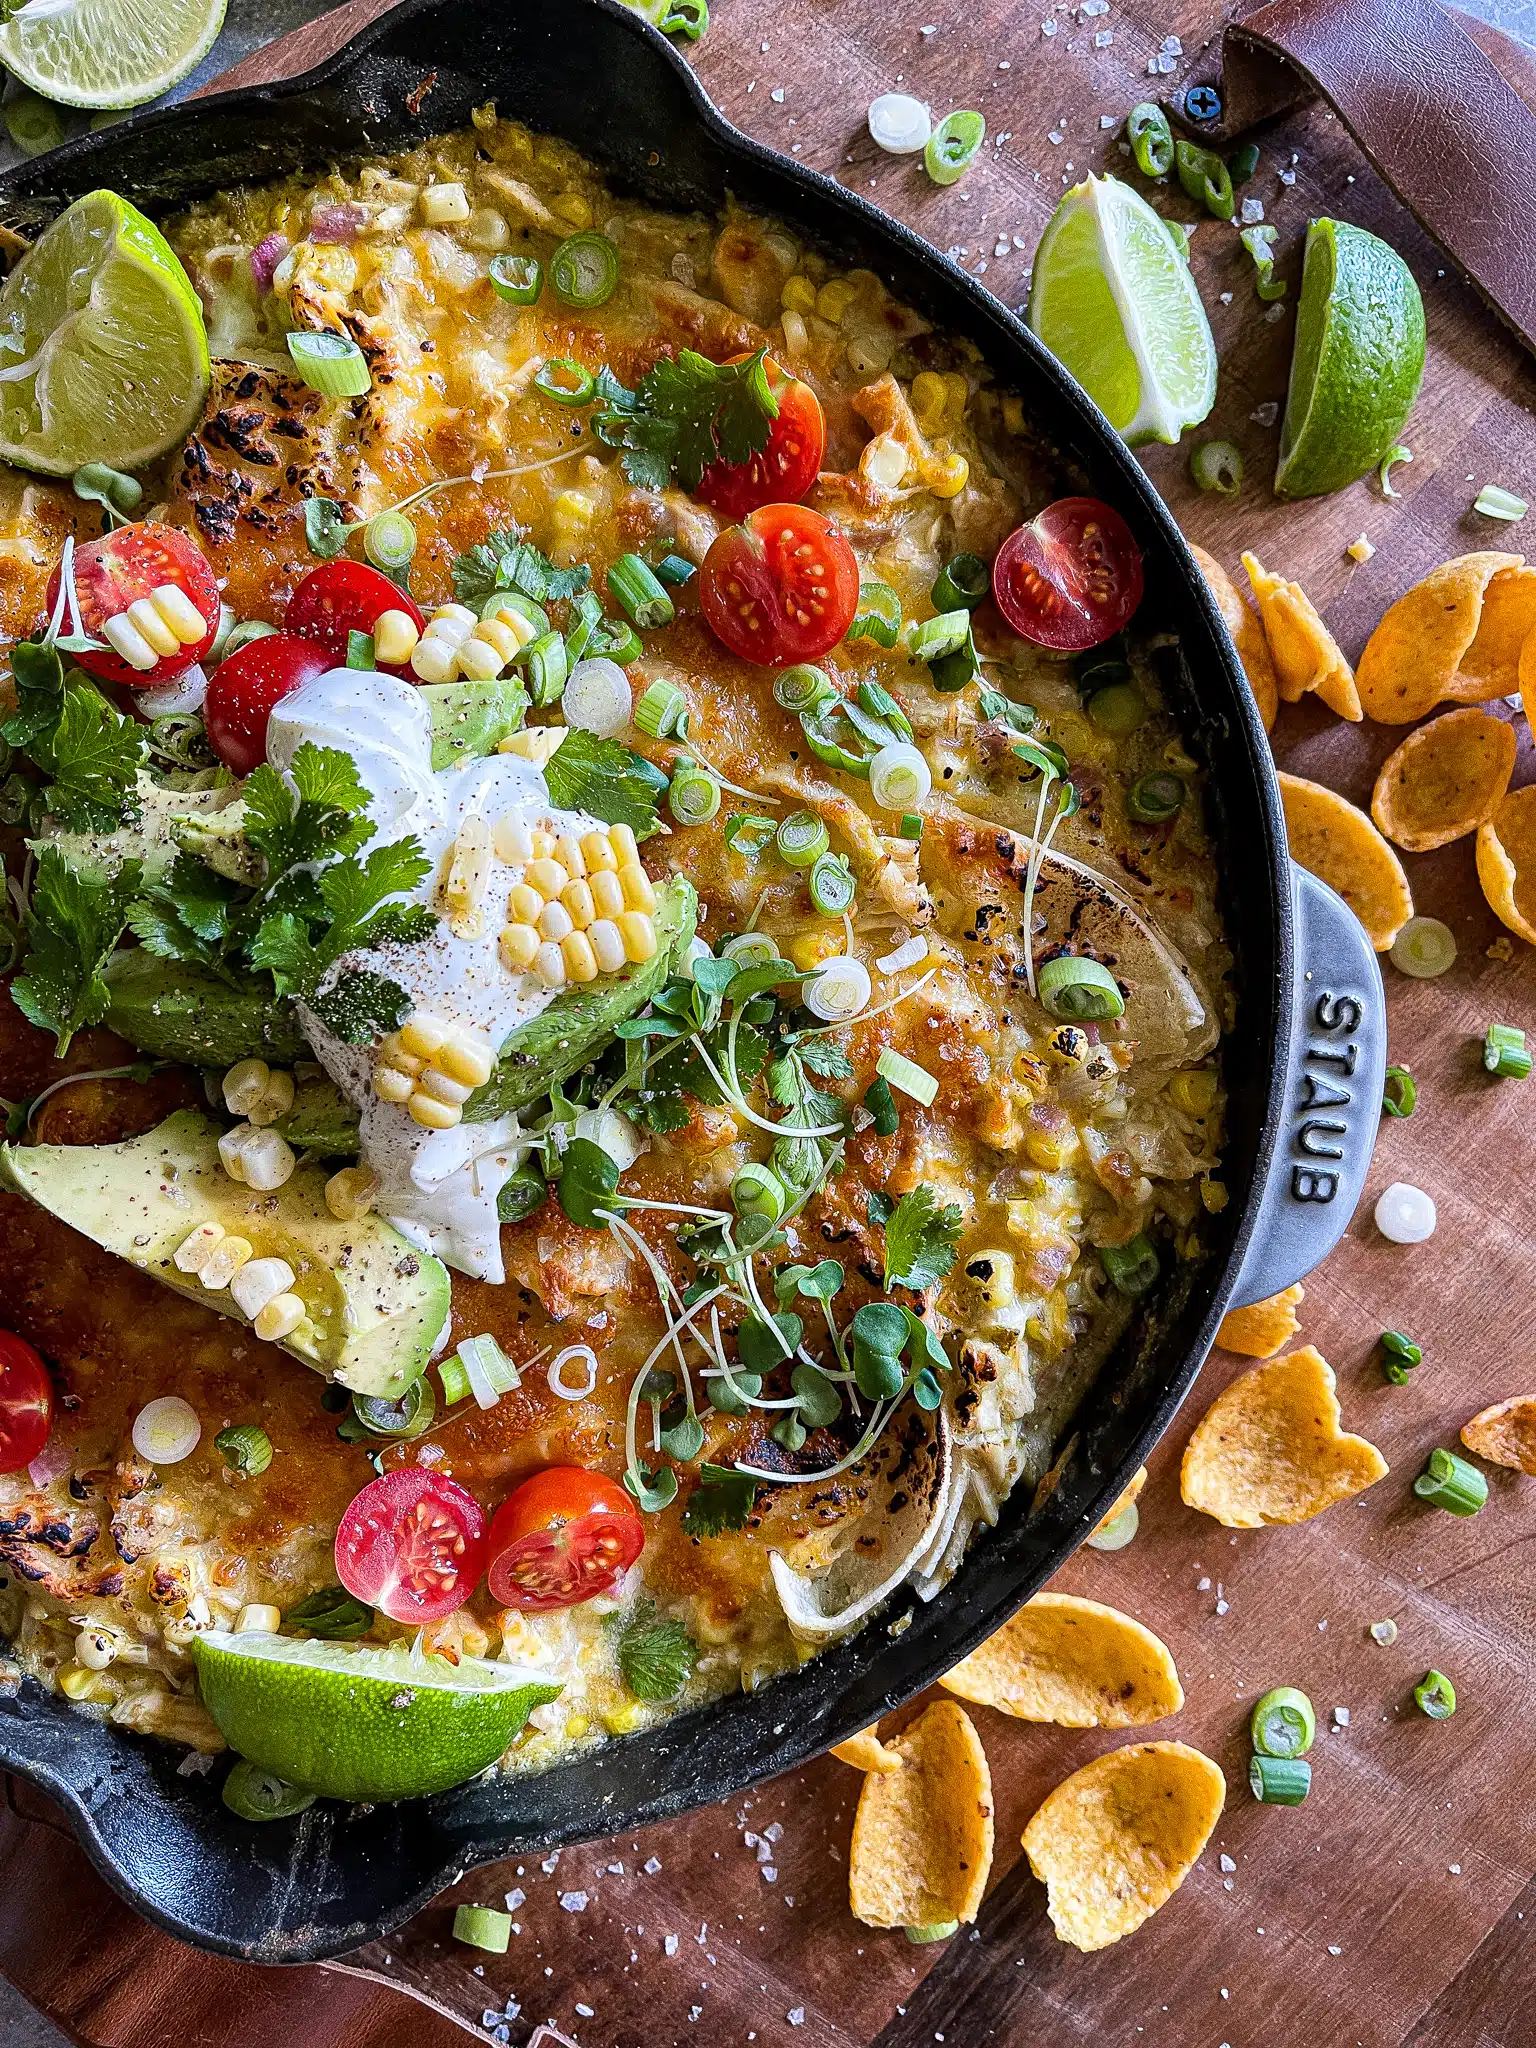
{"x": 1444, "y": 780}
{"x": 1306, "y": 656}
{"x": 866, "y": 1752}
{"x": 1413, "y": 659}
{"x": 1074, "y": 1663}
{"x": 1505, "y": 1434}
{"x": 1127, "y": 1499}
{"x": 1259, "y": 1330}
{"x": 1491, "y": 665}
{"x": 1269, "y": 1450}
{"x": 1115, "y": 1841}
{"x": 1339, "y": 844}
{"x": 922, "y": 1835}
{"x": 1242, "y": 622}
{"x": 1506, "y": 861}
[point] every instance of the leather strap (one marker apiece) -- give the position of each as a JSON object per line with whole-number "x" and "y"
{"x": 1441, "y": 124}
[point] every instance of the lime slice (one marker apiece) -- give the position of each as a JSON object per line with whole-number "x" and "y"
{"x": 103, "y": 352}
{"x": 1357, "y": 363}
{"x": 1113, "y": 300}
{"x": 108, "y": 53}
{"x": 353, "y": 1721}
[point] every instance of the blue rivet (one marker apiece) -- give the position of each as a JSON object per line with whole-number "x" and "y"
{"x": 1202, "y": 103}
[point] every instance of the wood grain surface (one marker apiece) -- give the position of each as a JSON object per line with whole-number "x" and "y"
{"x": 1394, "y": 1906}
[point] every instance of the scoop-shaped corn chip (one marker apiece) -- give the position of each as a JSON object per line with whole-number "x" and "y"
{"x": 1306, "y": 655}
{"x": 1131, "y": 1494}
{"x": 1340, "y": 845}
{"x": 1259, "y": 1330}
{"x": 1444, "y": 780}
{"x": 1491, "y": 665}
{"x": 1115, "y": 1841}
{"x": 1074, "y": 1663}
{"x": 866, "y": 1752}
{"x": 1241, "y": 621}
{"x": 1270, "y": 1450}
{"x": 1505, "y": 1434}
{"x": 1413, "y": 658}
{"x": 922, "y": 1836}
{"x": 1506, "y": 861}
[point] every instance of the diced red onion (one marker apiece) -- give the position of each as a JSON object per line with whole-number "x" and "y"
{"x": 340, "y": 223}
{"x": 265, "y": 258}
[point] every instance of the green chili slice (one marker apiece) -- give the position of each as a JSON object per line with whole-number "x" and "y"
{"x": 1400, "y": 1092}
{"x": 1205, "y": 178}
{"x": 564, "y": 380}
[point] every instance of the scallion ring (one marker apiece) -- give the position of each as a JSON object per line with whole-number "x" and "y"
{"x": 758, "y": 1194}
{"x": 1451, "y": 1483}
{"x": 1120, "y": 708}
{"x": 951, "y": 149}
{"x": 900, "y": 778}
{"x": 693, "y": 795}
{"x": 1154, "y": 799}
{"x": 331, "y": 364}
{"x": 802, "y": 838}
{"x": 518, "y": 279}
{"x": 748, "y": 834}
{"x": 1435, "y": 1695}
{"x": 676, "y": 570}
{"x": 617, "y": 639}
{"x": 911, "y": 826}
{"x": 255, "y": 1794}
{"x": 878, "y": 616}
{"x": 584, "y": 270}
{"x": 803, "y": 688}
{"x": 596, "y": 697}
{"x": 1504, "y": 1052}
{"x": 1079, "y": 991}
{"x": 831, "y": 884}
{"x": 1283, "y": 1723}
{"x": 479, "y": 1368}
{"x": 931, "y": 639}
{"x": 34, "y": 124}
{"x": 1217, "y": 466}
{"x": 389, "y": 542}
{"x": 1243, "y": 163}
{"x": 632, "y": 583}
{"x": 839, "y": 990}
{"x": 663, "y": 711}
{"x": 749, "y": 949}
{"x": 546, "y": 666}
{"x": 1131, "y": 1268}
{"x": 1279, "y": 1781}
{"x": 565, "y": 381}
{"x": 245, "y": 1449}
{"x": 414, "y": 1412}
{"x": 585, "y": 1359}
{"x": 1151, "y": 139}
{"x": 1400, "y": 1092}
{"x": 1494, "y": 502}
{"x": 1424, "y": 949}
{"x": 961, "y": 584}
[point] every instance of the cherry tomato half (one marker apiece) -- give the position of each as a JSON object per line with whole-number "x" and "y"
{"x": 121, "y": 567}
{"x": 26, "y": 1403}
{"x": 1071, "y": 578}
{"x": 782, "y": 470}
{"x": 563, "y": 1537}
{"x": 781, "y": 587}
{"x": 244, "y": 687}
{"x": 412, "y": 1544}
{"x": 343, "y": 597}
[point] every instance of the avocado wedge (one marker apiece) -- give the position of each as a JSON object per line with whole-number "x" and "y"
{"x": 377, "y": 1306}
{"x": 176, "y": 1010}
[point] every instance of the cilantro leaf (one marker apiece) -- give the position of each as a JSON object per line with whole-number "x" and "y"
{"x": 72, "y": 926}
{"x": 687, "y": 413}
{"x": 326, "y": 775}
{"x": 361, "y": 1006}
{"x": 920, "y": 1239}
{"x": 353, "y": 889}
{"x": 326, "y": 819}
{"x": 1021, "y": 717}
{"x": 187, "y": 915}
{"x": 603, "y": 777}
{"x": 38, "y": 674}
{"x": 722, "y": 1500}
{"x": 825, "y": 1057}
{"x": 656, "y": 1657}
{"x": 283, "y": 946}
{"x": 508, "y": 562}
{"x": 93, "y": 755}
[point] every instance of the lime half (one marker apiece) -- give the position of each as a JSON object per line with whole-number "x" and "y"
{"x": 108, "y": 53}
{"x": 1357, "y": 362}
{"x": 355, "y": 1722}
{"x": 103, "y": 352}
{"x": 1113, "y": 300}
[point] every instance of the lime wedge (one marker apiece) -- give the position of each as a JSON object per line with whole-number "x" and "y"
{"x": 103, "y": 352}
{"x": 353, "y": 1721}
{"x": 1357, "y": 362}
{"x": 1113, "y": 300}
{"x": 108, "y": 53}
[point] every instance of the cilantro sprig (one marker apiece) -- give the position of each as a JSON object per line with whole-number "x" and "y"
{"x": 72, "y": 924}
{"x": 508, "y": 561}
{"x": 920, "y": 1239}
{"x": 686, "y": 413}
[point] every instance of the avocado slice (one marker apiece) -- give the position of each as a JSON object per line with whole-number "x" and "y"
{"x": 377, "y": 1306}
{"x": 217, "y": 838}
{"x": 176, "y": 1010}
{"x": 579, "y": 1023}
{"x": 470, "y": 720}
{"x": 153, "y": 839}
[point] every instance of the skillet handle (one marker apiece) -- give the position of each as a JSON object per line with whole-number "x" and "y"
{"x": 1337, "y": 1065}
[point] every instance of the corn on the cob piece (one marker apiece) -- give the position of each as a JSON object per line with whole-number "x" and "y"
{"x": 592, "y": 891}
{"x": 431, "y": 1066}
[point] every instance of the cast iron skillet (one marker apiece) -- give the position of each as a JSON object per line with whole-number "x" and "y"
{"x": 1308, "y": 1030}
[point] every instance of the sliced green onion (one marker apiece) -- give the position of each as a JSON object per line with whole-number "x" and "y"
{"x": 1389, "y": 462}
{"x": 518, "y": 279}
{"x": 687, "y": 18}
{"x": 34, "y": 124}
{"x": 831, "y": 884}
{"x": 596, "y": 697}
{"x": 1451, "y": 1483}
{"x": 675, "y": 570}
{"x": 1079, "y": 991}
{"x": 1260, "y": 244}
{"x": 900, "y": 778}
{"x": 951, "y": 672}
{"x": 1131, "y": 1268}
{"x": 1278, "y": 1780}
{"x": 1205, "y": 178}
{"x": 632, "y": 583}
{"x": 1120, "y": 708}
{"x": 565, "y": 381}
{"x": 1435, "y": 1695}
{"x": 961, "y": 584}
{"x": 881, "y": 1104}
{"x": 878, "y": 703}
{"x": 389, "y": 542}
{"x": 584, "y": 270}
{"x": 483, "y": 1927}
{"x": 255, "y": 1794}
{"x": 878, "y": 617}
{"x": 930, "y": 639}
{"x": 662, "y": 711}
{"x": 693, "y": 795}
{"x": 1217, "y": 466}
{"x": 911, "y": 826}
{"x": 1097, "y": 666}
{"x": 331, "y": 364}
{"x": 803, "y": 688}
{"x": 617, "y": 639}
{"x": 245, "y": 1449}
{"x": 1400, "y": 1092}
{"x": 414, "y": 1412}
{"x": 1154, "y": 799}
{"x": 951, "y": 148}
{"x": 750, "y": 949}
{"x": 1243, "y": 163}
{"x": 1118, "y": 1531}
{"x": 479, "y": 1367}
{"x": 747, "y": 834}
{"x": 547, "y": 668}
{"x": 1424, "y": 948}
{"x": 908, "y": 1076}
{"x": 360, "y": 651}
{"x": 1504, "y": 1052}
{"x": 802, "y": 838}
{"x": 758, "y": 1194}
{"x": 1494, "y": 502}
{"x": 839, "y": 990}
{"x": 1400, "y": 1356}
{"x": 1283, "y": 1723}
{"x": 586, "y": 615}
{"x": 940, "y": 1930}
{"x": 1151, "y": 139}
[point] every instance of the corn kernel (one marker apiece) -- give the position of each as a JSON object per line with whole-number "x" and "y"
{"x": 577, "y": 900}
{"x": 928, "y": 396}
{"x": 442, "y": 1088}
{"x": 573, "y": 208}
{"x": 957, "y": 394}
{"x": 570, "y": 856}
{"x": 395, "y": 637}
{"x": 444, "y": 206}
{"x": 390, "y": 1085}
{"x": 351, "y": 1192}
{"x": 229, "y": 1256}
{"x": 77, "y": 1684}
{"x": 280, "y": 1318}
{"x": 128, "y": 643}
{"x": 266, "y": 1161}
{"x": 870, "y": 350}
{"x": 498, "y": 634}
{"x": 468, "y": 1057}
{"x": 512, "y": 841}
{"x": 275, "y": 1100}
{"x": 625, "y": 1718}
{"x": 434, "y": 661}
{"x": 834, "y": 299}
{"x": 622, "y": 840}
{"x": 197, "y": 1247}
{"x": 231, "y": 1147}
{"x": 468, "y": 874}
{"x": 607, "y": 943}
{"x": 597, "y": 851}
{"x": 258, "y": 1282}
{"x": 556, "y": 922}
{"x": 517, "y": 623}
{"x": 947, "y": 474}
{"x": 1025, "y": 1219}
{"x": 1194, "y": 1093}
{"x": 431, "y": 1114}
{"x": 549, "y": 965}
{"x": 478, "y": 661}
{"x": 145, "y": 618}
{"x": 1013, "y": 414}
{"x": 179, "y": 613}
{"x": 796, "y": 337}
{"x": 524, "y": 903}
{"x": 580, "y": 960}
{"x": 258, "y": 1617}
{"x": 809, "y": 949}
{"x": 798, "y": 295}
{"x": 572, "y": 513}
{"x": 576, "y": 1725}
{"x": 1067, "y": 1045}
{"x": 548, "y": 877}
{"x": 607, "y": 893}
{"x": 423, "y": 1035}
{"x": 639, "y": 935}
{"x": 639, "y": 889}
{"x": 1048, "y": 1146}
{"x": 544, "y": 844}
{"x": 1214, "y": 1195}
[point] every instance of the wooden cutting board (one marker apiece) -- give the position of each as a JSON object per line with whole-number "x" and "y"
{"x": 1391, "y": 1907}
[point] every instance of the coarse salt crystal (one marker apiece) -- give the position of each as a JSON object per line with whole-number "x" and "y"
{"x": 587, "y": 2012}
{"x": 651, "y": 1865}
{"x": 1055, "y": 135}
{"x": 1165, "y": 66}
{"x": 1227, "y": 1863}
{"x": 1102, "y": 41}
{"x": 551, "y": 1864}
{"x": 796, "y": 2016}
{"x": 1274, "y": 313}
{"x": 1252, "y": 211}
{"x": 1171, "y": 47}
{"x": 573, "y": 1902}
{"x": 669, "y": 1945}
{"x": 1341, "y": 1717}
{"x": 1334, "y": 1949}
{"x": 516, "y": 1898}
{"x": 1106, "y": 120}
{"x": 777, "y": 95}
{"x": 1266, "y": 414}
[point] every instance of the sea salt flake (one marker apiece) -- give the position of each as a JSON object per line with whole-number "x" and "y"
{"x": 769, "y": 1874}
{"x": 1106, "y": 120}
{"x": 551, "y": 1864}
{"x": 1265, "y": 415}
{"x": 1287, "y": 177}
{"x": 573, "y": 1902}
{"x": 587, "y": 2012}
{"x": 669, "y": 1945}
{"x": 1056, "y": 136}
{"x": 1252, "y": 211}
{"x": 1334, "y": 1949}
{"x": 1170, "y": 46}
{"x": 1102, "y": 41}
{"x": 1341, "y": 1717}
{"x": 516, "y": 1898}
{"x": 1226, "y": 298}
{"x": 1000, "y": 249}
{"x": 796, "y": 2015}
{"x": 1049, "y": 28}
{"x": 1228, "y": 1863}
{"x": 1274, "y": 313}
{"x": 1092, "y": 9}
{"x": 777, "y": 95}
{"x": 651, "y": 1865}
{"x": 1166, "y": 65}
